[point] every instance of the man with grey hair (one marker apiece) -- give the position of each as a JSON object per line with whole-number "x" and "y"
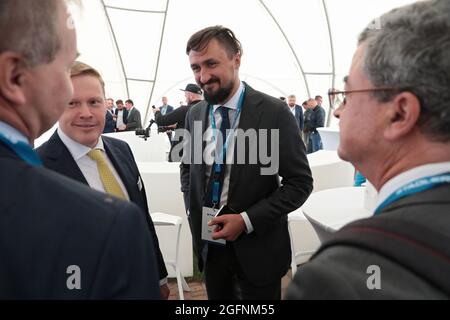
{"x": 395, "y": 129}
{"x": 58, "y": 238}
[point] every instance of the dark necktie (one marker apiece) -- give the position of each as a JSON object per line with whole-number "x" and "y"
{"x": 215, "y": 177}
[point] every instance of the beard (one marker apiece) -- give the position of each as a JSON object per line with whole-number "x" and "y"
{"x": 221, "y": 95}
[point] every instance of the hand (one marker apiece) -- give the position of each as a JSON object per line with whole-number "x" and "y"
{"x": 155, "y": 110}
{"x": 165, "y": 291}
{"x": 228, "y": 227}
{"x": 122, "y": 127}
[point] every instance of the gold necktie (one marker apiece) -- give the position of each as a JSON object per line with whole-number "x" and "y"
{"x": 109, "y": 181}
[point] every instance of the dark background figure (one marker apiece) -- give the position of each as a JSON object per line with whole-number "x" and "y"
{"x": 134, "y": 116}
{"x": 314, "y": 118}
{"x": 110, "y": 122}
{"x": 296, "y": 110}
{"x": 177, "y": 118}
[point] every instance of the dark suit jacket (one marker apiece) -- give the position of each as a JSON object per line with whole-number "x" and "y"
{"x": 49, "y": 223}
{"x": 178, "y": 117}
{"x": 339, "y": 272}
{"x": 299, "y": 116}
{"x": 169, "y": 109}
{"x": 134, "y": 120}
{"x": 110, "y": 123}
{"x": 265, "y": 253}
{"x": 57, "y": 157}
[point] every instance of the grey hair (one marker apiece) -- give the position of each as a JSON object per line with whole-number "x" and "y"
{"x": 30, "y": 28}
{"x": 410, "y": 51}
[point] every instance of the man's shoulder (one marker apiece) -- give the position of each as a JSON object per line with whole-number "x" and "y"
{"x": 269, "y": 102}
{"x": 196, "y": 109}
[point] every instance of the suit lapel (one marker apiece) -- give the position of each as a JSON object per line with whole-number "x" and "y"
{"x": 59, "y": 159}
{"x": 250, "y": 119}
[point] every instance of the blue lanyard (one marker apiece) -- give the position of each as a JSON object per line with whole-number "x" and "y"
{"x": 414, "y": 187}
{"x": 217, "y": 166}
{"x": 23, "y": 150}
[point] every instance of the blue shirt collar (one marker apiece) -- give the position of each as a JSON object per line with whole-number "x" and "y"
{"x": 12, "y": 133}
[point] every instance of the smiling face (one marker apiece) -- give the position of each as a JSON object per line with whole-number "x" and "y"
{"x": 84, "y": 120}
{"x": 216, "y": 72}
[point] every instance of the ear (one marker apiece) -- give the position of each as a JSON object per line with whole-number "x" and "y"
{"x": 12, "y": 76}
{"x": 403, "y": 115}
{"x": 237, "y": 60}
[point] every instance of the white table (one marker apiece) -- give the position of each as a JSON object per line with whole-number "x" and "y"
{"x": 162, "y": 185}
{"x": 329, "y": 210}
{"x": 330, "y": 171}
{"x": 330, "y": 137}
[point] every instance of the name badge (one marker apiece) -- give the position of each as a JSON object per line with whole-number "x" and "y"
{"x": 208, "y": 215}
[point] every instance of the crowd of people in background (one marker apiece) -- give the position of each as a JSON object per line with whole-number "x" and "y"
{"x": 309, "y": 117}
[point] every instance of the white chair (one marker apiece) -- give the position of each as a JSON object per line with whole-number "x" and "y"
{"x": 164, "y": 219}
{"x": 296, "y": 215}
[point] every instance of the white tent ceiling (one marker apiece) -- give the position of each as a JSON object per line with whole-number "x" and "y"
{"x": 300, "y": 47}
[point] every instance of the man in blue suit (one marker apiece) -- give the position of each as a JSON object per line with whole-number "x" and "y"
{"x": 165, "y": 108}
{"x": 110, "y": 122}
{"x": 58, "y": 238}
{"x": 69, "y": 150}
{"x": 296, "y": 111}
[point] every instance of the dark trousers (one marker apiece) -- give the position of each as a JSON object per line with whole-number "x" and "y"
{"x": 225, "y": 279}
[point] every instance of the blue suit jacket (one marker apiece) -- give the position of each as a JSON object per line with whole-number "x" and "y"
{"x": 110, "y": 123}
{"x": 49, "y": 223}
{"x": 57, "y": 157}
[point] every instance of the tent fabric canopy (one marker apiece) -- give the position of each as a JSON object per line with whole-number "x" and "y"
{"x": 300, "y": 47}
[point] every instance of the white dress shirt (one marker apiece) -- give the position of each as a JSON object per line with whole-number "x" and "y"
{"x": 232, "y": 105}
{"x": 292, "y": 109}
{"x": 119, "y": 121}
{"x": 408, "y": 176}
{"x": 88, "y": 166}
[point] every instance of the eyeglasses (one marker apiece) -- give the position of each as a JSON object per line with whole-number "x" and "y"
{"x": 337, "y": 97}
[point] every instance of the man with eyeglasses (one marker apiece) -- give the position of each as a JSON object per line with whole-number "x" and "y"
{"x": 395, "y": 129}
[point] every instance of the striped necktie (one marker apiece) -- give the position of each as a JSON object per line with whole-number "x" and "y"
{"x": 106, "y": 176}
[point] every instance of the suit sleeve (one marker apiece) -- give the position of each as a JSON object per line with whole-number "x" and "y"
{"x": 170, "y": 118}
{"x": 296, "y": 183}
{"x": 135, "y": 122}
{"x": 184, "y": 166}
{"x": 319, "y": 119}
{"x": 127, "y": 269}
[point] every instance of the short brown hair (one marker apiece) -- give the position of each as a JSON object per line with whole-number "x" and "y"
{"x": 200, "y": 40}
{"x": 30, "y": 28}
{"x": 81, "y": 69}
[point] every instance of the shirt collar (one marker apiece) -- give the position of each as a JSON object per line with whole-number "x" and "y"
{"x": 408, "y": 176}
{"x": 77, "y": 150}
{"x": 12, "y": 134}
{"x": 233, "y": 102}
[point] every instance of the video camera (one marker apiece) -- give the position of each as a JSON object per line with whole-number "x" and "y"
{"x": 145, "y": 133}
